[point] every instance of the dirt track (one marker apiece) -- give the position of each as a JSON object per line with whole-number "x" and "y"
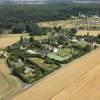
{"x": 60, "y": 84}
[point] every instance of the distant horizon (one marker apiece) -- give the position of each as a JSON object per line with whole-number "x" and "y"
{"x": 46, "y": 1}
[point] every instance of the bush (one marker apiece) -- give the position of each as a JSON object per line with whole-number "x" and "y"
{"x": 19, "y": 70}
{"x": 72, "y": 32}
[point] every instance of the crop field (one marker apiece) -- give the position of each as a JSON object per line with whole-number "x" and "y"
{"x": 74, "y": 81}
{"x": 8, "y": 39}
{"x": 63, "y": 23}
{"x": 78, "y": 80}
{"x": 76, "y": 23}
{"x": 90, "y": 32}
{"x": 4, "y": 42}
{"x": 9, "y": 85}
{"x": 70, "y": 23}
{"x": 84, "y": 88}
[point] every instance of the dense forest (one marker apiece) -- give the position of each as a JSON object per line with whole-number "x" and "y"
{"x": 21, "y": 17}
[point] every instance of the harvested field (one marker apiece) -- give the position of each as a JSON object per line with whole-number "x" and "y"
{"x": 85, "y": 87}
{"x": 76, "y": 23}
{"x": 78, "y": 80}
{"x": 9, "y": 85}
{"x": 71, "y": 23}
{"x": 90, "y": 32}
{"x": 8, "y": 39}
{"x": 4, "y": 42}
{"x": 63, "y": 23}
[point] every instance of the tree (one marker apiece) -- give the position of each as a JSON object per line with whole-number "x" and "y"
{"x": 87, "y": 48}
{"x": 21, "y": 39}
{"x": 1, "y": 30}
{"x": 72, "y": 31}
{"x": 31, "y": 39}
{"x": 33, "y": 29}
{"x": 28, "y": 28}
{"x": 57, "y": 29}
{"x": 18, "y": 70}
{"x": 18, "y": 28}
{"x": 98, "y": 36}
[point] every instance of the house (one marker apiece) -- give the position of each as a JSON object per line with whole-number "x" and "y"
{"x": 19, "y": 63}
{"x": 73, "y": 17}
{"x": 55, "y": 50}
{"x": 31, "y": 52}
{"x": 28, "y": 70}
{"x": 82, "y": 15}
{"x": 22, "y": 48}
{"x": 82, "y": 39}
{"x": 74, "y": 39}
{"x": 95, "y": 45}
{"x": 95, "y": 17}
{"x": 6, "y": 55}
{"x": 60, "y": 46}
{"x": 50, "y": 48}
{"x": 1, "y": 53}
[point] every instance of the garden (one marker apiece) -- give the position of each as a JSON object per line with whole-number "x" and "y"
{"x": 31, "y": 59}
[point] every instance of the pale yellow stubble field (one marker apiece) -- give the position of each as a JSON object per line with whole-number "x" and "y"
{"x": 78, "y": 80}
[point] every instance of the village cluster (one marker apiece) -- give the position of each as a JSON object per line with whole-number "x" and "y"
{"x": 32, "y": 59}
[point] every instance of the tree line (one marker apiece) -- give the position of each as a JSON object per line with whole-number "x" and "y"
{"x": 19, "y": 17}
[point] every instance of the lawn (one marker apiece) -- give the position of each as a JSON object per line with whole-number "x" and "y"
{"x": 64, "y": 52}
{"x": 56, "y": 57}
{"x": 43, "y": 64}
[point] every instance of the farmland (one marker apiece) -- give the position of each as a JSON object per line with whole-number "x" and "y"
{"x": 50, "y": 52}
{"x": 69, "y": 23}
{"x": 63, "y": 23}
{"x": 13, "y": 38}
{"x": 91, "y": 32}
{"x": 8, "y": 39}
{"x": 89, "y": 88}
{"x": 84, "y": 69}
{"x": 9, "y": 85}
{"x": 84, "y": 26}
{"x": 32, "y": 58}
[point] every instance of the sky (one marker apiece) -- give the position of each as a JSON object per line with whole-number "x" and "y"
{"x": 51, "y": 0}
{"x": 28, "y": 0}
{"x": 23, "y": 0}
{"x": 45, "y": 0}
